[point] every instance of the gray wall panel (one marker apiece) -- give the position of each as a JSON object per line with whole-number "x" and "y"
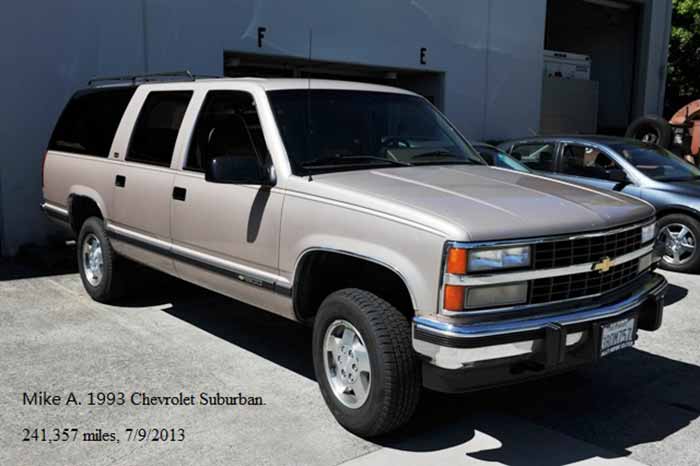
{"x": 52, "y": 48}
{"x": 515, "y": 63}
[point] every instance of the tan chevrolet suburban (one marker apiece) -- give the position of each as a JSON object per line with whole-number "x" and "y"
{"x": 360, "y": 210}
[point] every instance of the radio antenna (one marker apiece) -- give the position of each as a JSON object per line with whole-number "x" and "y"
{"x": 308, "y": 97}
{"x": 310, "y": 58}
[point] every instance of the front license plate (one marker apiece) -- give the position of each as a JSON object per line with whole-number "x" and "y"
{"x": 616, "y": 336}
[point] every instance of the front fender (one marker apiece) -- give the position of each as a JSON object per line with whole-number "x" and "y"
{"x": 386, "y": 258}
{"x": 414, "y": 254}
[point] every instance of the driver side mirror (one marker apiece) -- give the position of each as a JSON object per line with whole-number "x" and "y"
{"x": 230, "y": 169}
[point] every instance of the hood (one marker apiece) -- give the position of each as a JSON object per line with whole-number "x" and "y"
{"x": 490, "y": 204}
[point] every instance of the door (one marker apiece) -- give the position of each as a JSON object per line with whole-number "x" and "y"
{"x": 225, "y": 236}
{"x": 590, "y": 166}
{"x": 143, "y": 184}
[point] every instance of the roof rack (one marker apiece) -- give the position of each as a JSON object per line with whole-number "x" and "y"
{"x": 148, "y": 77}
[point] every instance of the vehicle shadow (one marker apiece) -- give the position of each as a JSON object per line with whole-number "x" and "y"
{"x": 270, "y": 336}
{"x": 275, "y": 338}
{"x": 675, "y": 294}
{"x": 34, "y": 262}
{"x": 628, "y": 399}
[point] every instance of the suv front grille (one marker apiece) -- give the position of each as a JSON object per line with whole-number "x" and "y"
{"x": 583, "y": 250}
{"x": 546, "y": 290}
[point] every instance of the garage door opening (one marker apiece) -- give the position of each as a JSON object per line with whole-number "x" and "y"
{"x": 607, "y": 33}
{"x": 429, "y": 84}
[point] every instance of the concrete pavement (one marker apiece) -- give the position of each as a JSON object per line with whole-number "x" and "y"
{"x": 638, "y": 406}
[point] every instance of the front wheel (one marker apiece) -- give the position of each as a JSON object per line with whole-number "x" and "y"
{"x": 680, "y": 234}
{"x": 364, "y": 362}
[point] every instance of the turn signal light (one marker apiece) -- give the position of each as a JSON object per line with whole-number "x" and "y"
{"x": 457, "y": 261}
{"x": 453, "y": 298}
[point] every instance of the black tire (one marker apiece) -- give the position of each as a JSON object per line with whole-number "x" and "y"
{"x": 112, "y": 284}
{"x": 651, "y": 128}
{"x": 395, "y": 382}
{"x": 692, "y": 265}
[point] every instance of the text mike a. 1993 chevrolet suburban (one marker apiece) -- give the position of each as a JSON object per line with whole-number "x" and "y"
{"x": 360, "y": 210}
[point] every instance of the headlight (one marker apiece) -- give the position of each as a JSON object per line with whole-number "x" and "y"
{"x": 462, "y": 261}
{"x": 497, "y": 259}
{"x": 648, "y": 233}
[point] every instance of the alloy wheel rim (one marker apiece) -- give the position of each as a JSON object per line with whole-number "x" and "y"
{"x": 93, "y": 264}
{"x": 679, "y": 243}
{"x": 347, "y": 364}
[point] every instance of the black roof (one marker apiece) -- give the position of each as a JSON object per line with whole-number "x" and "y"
{"x": 582, "y": 138}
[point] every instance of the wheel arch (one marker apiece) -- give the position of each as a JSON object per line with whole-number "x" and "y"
{"x": 677, "y": 209}
{"x": 303, "y": 296}
{"x": 83, "y": 203}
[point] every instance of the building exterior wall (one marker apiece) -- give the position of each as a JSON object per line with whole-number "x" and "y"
{"x": 489, "y": 50}
{"x": 655, "y": 34}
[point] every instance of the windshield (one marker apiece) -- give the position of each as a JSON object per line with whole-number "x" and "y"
{"x": 657, "y": 163}
{"x": 496, "y": 157}
{"x": 330, "y": 130}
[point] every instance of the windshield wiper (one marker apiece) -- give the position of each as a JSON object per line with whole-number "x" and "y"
{"x": 451, "y": 158}
{"x": 331, "y": 161}
{"x": 436, "y": 153}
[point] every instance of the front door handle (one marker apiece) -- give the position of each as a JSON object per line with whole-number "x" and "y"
{"x": 120, "y": 181}
{"x": 179, "y": 194}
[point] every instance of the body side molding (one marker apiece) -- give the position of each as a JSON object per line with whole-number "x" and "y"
{"x": 227, "y": 269}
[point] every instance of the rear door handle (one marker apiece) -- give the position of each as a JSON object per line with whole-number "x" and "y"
{"x": 120, "y": 181}
{"x": 179, "y": 194}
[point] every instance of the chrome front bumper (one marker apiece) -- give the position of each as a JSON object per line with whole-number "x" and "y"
{"x": 453, "y": 347}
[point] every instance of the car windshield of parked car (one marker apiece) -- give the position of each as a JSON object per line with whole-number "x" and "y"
{"x": 331, "y": 130}
{"x": 657, "y": 163}
{"x": 497, "y": 158}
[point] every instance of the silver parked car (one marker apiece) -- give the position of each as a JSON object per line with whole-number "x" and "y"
{"x": 361, "y": 211}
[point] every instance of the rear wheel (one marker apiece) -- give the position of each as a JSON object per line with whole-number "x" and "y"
{"x": 680, "y": 234}
{"x": 364, "y": 362}
{"x": 98, "y": 263}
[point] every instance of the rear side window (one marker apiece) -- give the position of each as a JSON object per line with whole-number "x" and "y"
{"x": 89, "y": 122}
{"x": 155, "y": 133}
{"x": 537, "y": 156}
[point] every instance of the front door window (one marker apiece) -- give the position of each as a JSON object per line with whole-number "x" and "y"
{"x": 589, "y": 162}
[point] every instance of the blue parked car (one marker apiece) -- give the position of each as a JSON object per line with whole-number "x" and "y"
{"x": 633, "y": 167}
{"x": 496, "y": 157}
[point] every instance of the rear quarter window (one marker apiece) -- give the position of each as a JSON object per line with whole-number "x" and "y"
{"x": 89, "y": 122}
{"x": 154, "y": 136}
{"x": 535, "y": 155}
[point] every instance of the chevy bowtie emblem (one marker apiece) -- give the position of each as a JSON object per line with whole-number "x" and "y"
{"x": 604, "y": 265}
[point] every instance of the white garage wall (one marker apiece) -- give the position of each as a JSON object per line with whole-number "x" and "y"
{"x": 490, "y": 51}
